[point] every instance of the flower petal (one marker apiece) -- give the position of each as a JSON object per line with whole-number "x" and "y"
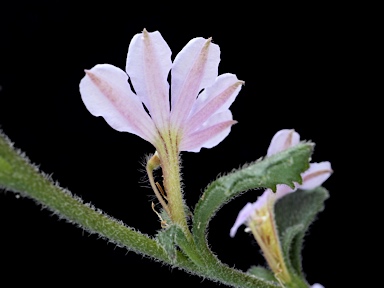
{"x": 282, "y": 190}
{"x": 317, "y": 285}
{"x": 148, "y": 65}
{"x": 194, "y": 68}
{"x": 242, "y": 218}
{"x": 282, "y": 140}
{"x": 211, "y": 133}
{"x": 316, "y": 175}
{"x": 214, "y": 99}
{"x": 105, "y": 92}
{"x": 249, "y": 209}
{"x": 263, "y": 199}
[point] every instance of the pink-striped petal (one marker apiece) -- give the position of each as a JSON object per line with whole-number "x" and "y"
{"x": 105, "y": 92}
{"x": 211, "y": 133}
{"x": 283, "y": 140}
{"x": 148, "y": 65}
{"x": 214, "y": 99}
{"x": 316, "y": 175}
{"x": 194, "y": 68}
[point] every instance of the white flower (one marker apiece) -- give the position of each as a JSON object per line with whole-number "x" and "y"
{"x": 196, "y": 115}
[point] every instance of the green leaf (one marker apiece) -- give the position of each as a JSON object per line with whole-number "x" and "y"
{"x": 167, "y": 239}
{"x": 293, "y": 215}
{"x": 173, "y": 236}
{"x": 263, "y": 273}
{"x": 5, "y": 167}
{"x": 282, "y": 168}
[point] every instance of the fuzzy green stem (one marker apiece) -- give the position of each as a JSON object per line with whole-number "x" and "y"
{"x": 170, "y": 165}
{"x": 17, "y": 174}
{"x": 264, "y": 230}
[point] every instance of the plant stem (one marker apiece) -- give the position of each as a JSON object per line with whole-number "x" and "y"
{"x": 170, "y": 165}
{"x": 17, "y": 174}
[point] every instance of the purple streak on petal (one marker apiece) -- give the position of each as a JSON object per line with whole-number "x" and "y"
{"x": 214, "y": 99}
{"x": 211, "y": 133}
{"x": 148, "y": 65}
{"x": 221, "y": 83}
{"x": 316, "y": 175}
{"x": 282, "y": 140}
{"x": 194, "y": 68}
{"x": 105, "y": 92}
{"x": 242, "y": 218}
{"x": 317, "y": 285}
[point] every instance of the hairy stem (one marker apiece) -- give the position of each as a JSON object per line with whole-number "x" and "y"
{"x": 170, "y": 165}
{"x": 17, "y": 174}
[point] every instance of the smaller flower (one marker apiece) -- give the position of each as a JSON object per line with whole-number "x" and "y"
{"x": 315, "y": 176}
{"x": 259, "y": 216}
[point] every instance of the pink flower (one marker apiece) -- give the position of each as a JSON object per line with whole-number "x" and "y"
{"x": 315, "y": 176}
{"x": 196, "y": 115}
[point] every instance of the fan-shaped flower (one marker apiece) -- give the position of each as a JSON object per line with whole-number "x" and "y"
{"x": 195, "y": 115}
{"x": 187, "y": 120}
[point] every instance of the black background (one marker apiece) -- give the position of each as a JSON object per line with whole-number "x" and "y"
{"x": 292, "y": 61}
